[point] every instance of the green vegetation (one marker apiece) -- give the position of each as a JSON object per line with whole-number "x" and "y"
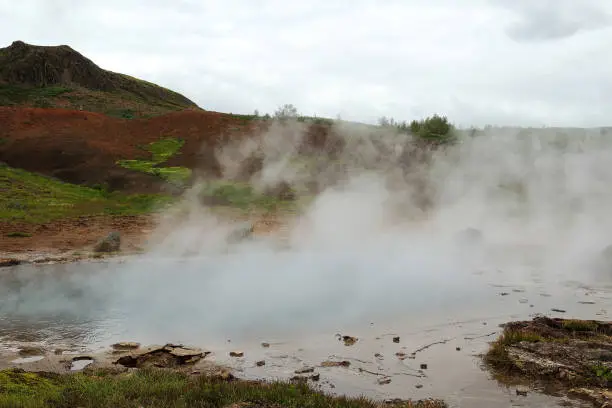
{"x": 602, "y": 372}
{"x": 434, "y": 129}
{"x": 19, "y": 94}
{"x": 30, "y": 197}
{"x": 241, "y": 195}
{"x": 157, "y": 389}
{"x": 498, "y": 353}
{"x": 580, "y": 325}
{"x": 18, "y": 234}
{"x": 161, "y": 151}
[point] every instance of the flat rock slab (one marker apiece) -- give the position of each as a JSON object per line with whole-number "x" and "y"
{"x": 168, "y": 356}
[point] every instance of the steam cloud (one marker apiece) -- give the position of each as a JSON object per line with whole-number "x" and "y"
{"x": 390, "y": 232}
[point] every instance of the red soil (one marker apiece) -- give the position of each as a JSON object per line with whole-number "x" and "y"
{"x": 83, "y": 147}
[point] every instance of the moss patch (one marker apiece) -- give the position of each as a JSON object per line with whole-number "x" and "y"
{"x": 30, "y": 197}
{"x": 161, "y": 151}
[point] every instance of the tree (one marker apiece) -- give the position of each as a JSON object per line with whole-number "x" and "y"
{"x": 288, "y": 110}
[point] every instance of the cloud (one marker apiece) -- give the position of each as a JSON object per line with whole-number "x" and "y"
{"x": 480, "y": 61}
{"x": 551, "y": 20}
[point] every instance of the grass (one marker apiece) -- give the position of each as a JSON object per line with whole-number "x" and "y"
{"x": 498, "y": 352}
{"x": 161, "y": 151}
{"x": 18, "y": 234}
{"x": 580, "y": 325}
{"x": 33, "y": 198}
{"x": 157, "y": 389}
{"x": 15, "y": 94}
{"x": 240, "y": 195}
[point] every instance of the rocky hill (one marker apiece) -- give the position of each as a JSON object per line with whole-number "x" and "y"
{"x": 60, "y": 77}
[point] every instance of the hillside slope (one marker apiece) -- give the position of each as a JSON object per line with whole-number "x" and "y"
{"x": 58, "y": 76}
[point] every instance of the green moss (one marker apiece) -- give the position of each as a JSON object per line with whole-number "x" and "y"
{"x": 161, "y": 151}
{"x": 156, "y": 389}
{"x": 580, "y": 325}
{"x": 18, "y": 234}
{"x": 30, "y": 197}
{"x": 240, "y": 195}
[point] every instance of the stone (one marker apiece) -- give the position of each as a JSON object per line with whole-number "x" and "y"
{"x": 260, "y": 363}
{"x": 349, "y": 340}
{"x": 423, "y": 366}
{"x": 125, "y": 345}
{"x": 265, "y": 345}
{"x": 111, "y": 243}
{"x": 419, "y": 386}
{"x": 168, "y": 356}
{"x": 384, "y": 380}
{"x": 6, "y": 262}
{"x": 522, "y": 391}
{"x": 396, "y": 339}
{"x": 336, "y": 364}
{"x": 304, "y": 370}
{"x": 236, "y": 354}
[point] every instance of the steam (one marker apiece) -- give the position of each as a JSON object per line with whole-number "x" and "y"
{"x": 383, "y": 231}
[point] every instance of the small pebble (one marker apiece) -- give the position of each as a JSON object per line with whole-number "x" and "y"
{"x": 236, "y": 354}
{"x": 419, "y": 386}
{"x": 396, "y": 339}
{"x": 260, "y": 363}
{"x": 423, "y": 366}
{"x": 458, "y": 348}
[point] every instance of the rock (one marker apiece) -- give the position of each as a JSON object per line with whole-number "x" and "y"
{"x": 236, "y": 354}
{"x": 168, "y": 356}
{"x": 349, "y": 340}
{"x": 31, "y": 351}
{"x": 125, "y": 345}
{"x": 423, "y": 366}
{"x": 384, "y": 380}
{"x": 111, "y": 243}
{"x": 401, "y": 355}
{"x": 458, "y": 348}
{"x": 6, "y": 262}
{"x": 602, "y": 398}
{"x": 260, "y": 363}
{"x": 396, "y": 339}
{"x": 336, "y": 364}
{"x": 557, "y": 310}
{"x": 504, "y": 294}
{"x": 265, "y": 345}
{"x": 419, "y": 386}
{"x": 304, "y": 370}
{"x": 241, "y": 233}
{"x": 522, "y": 391}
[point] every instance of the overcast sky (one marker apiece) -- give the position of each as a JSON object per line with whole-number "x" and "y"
{"x": 518, "y": 62}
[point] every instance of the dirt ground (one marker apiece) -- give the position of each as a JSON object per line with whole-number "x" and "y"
{"x": 83, "y": 147}
{"x": 73, "y": 239}
{"x": 74, "y": 234}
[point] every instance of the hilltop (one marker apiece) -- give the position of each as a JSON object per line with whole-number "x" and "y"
{"x": 60, "y": 77}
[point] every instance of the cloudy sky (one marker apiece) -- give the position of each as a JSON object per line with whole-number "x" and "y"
{"x": 520, "y": 62}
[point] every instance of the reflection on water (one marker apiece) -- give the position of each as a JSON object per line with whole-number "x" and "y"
{"x": 299, "y": 300}
{"x": 259, "y": 295}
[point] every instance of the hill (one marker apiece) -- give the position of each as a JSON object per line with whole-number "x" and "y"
{"x": 60, "y": 77}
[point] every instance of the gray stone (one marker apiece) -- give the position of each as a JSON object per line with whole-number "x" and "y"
{"x": 111, "y": 243}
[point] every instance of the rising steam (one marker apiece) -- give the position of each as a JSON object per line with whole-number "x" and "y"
{"x": 382, "y": 230}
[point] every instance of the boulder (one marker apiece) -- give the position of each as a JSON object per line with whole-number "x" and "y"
{"x": 111, "y": 243}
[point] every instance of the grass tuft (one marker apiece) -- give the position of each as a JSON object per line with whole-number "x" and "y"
{"x": 156, "y": 388}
